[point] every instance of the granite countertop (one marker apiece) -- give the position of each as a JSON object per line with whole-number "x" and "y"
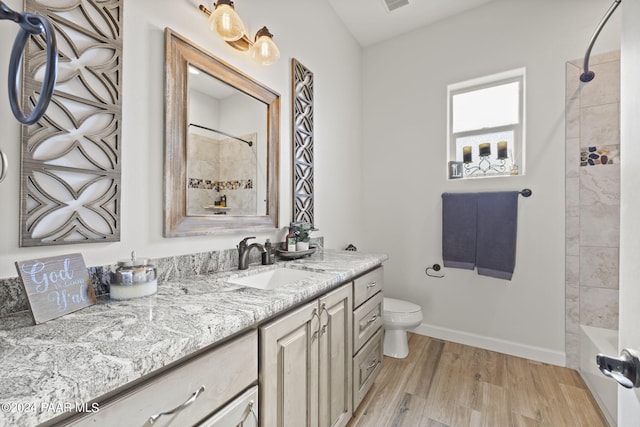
{"x": 86, "y": 354}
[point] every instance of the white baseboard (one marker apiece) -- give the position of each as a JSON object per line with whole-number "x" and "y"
{"x": 494, "y": 344}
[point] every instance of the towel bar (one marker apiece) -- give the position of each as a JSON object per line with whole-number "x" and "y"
{"x": 526, "y": 192}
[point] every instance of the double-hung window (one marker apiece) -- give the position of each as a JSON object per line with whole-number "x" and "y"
{"x": 486, "y": 126}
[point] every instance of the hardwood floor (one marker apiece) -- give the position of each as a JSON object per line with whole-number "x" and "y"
{"x": 444, "y": 384}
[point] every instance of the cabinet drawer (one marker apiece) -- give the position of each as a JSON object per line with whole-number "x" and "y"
{"x": 367, "y": 285}
{"x": 224, "y": 372}
{"x": 241, "y": 411}
{"x": 367, "y": 319}
{"x": 367, "y": 364}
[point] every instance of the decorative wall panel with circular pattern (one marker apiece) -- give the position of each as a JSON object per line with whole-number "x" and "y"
{"x": 70, "y": 183}
{"x": 302, "y": 122}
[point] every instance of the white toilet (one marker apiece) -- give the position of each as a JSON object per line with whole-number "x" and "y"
{"x": 397, "y": 317}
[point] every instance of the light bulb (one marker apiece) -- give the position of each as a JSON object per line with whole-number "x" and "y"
{"x": 225, "y": 21}
{"x": 264, "y": 50}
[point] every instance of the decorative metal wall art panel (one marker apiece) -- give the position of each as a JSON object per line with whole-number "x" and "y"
{"x": 302, "y": 123}
{"x": 70, "y": 183}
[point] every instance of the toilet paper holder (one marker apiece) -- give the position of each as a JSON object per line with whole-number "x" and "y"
{"x": 434, "y": 268}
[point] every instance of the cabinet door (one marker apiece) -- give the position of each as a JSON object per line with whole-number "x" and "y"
{"x": 289, "y": 369}
{"x": 335, "y": 358}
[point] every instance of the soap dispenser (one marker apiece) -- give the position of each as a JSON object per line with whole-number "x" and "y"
{"x": 290, "y": 240}
{"x": 267, "y": 255}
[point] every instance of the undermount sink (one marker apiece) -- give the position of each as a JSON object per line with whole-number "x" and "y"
{"x": 272, "y": 279}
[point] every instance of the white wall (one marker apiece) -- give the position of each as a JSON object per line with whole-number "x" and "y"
{"x": 629, "y": 400}
{"x": 404, "y": 114}
{"x": 204, "y": 110}
{"x": 308, "y": 30}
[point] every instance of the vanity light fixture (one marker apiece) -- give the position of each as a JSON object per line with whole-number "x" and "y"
{"x": 227, "y": 24}
{"x": 225, "y": 21}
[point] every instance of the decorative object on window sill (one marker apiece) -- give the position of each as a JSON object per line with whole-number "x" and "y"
{"x": 302, "y": 124}
{"x": 227, "y": 24}
{"x": 485, "y": 165}
{"x": 70, "y": 181}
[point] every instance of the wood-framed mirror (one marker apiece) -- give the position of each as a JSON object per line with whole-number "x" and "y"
{"x": 222, "y": 137}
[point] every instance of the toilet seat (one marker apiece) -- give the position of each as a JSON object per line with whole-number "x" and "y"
{"x": 392, "y": 305}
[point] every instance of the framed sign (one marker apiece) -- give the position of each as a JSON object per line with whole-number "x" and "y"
{"x": 56, "y": 286}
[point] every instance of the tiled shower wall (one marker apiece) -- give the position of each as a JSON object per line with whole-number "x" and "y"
{"x": 592, "y": 194}
{"x": 218, "y": 167}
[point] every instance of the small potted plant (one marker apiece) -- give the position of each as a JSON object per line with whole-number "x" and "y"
{"x": 302, "y": 230}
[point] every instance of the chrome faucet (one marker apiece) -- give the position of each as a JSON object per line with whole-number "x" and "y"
{"x": 244, "y": 250}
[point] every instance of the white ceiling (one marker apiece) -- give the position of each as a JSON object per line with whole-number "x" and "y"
{"x": 370, "y": 22}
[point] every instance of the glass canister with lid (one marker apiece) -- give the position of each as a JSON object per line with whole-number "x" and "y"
{"x": 135, "y": 278}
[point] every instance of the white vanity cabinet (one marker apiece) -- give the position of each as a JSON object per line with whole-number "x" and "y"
{"x": 306, "y": 364}
{"x": 368, "y": 334}
{"x": 309, "y": 367}
{"x": 188, "y": 393}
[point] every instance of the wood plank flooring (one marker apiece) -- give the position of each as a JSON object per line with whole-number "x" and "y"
{"x": 444, "y": 384}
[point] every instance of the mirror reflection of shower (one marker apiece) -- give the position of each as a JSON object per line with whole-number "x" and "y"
{"x": 226, "y": 149}
{"x": 221, "y": 172}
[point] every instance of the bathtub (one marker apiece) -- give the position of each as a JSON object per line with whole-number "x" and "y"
{"x": 605, "y": 390}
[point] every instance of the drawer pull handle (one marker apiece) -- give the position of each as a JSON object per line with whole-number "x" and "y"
{"x": 251, "y": 410}
{"x": 178, "y": 408}
{"x": 370, "y": 321}
{"x": 324, "y": 327}
{"x": 3, "y": 166}
{"x": 372, "y": 364}
{"x": 371, "y": 284}
{"x": 317, "y": 331}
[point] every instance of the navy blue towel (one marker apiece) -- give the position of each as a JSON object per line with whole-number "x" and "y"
{"x": 459, "y": 230}
{"x": 497, "y": 232}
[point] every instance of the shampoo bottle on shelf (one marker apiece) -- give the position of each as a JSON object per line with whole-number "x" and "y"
{"x": 291, "y": 240}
